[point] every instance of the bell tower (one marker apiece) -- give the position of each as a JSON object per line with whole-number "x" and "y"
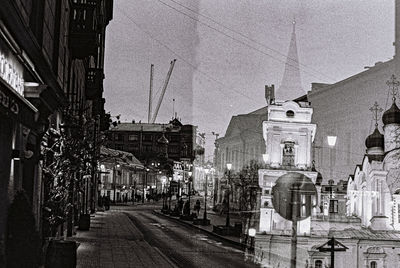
{"x": 288, "y": 135}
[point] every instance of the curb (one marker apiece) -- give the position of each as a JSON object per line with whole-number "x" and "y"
{"x": 237, "y": 245}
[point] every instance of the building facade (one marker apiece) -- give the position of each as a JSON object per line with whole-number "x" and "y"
{"x": 122, "y": 176}
{"x": 170, "y": 149}
{"x": 41, "y": 80}
{"x": 361, "y": 213}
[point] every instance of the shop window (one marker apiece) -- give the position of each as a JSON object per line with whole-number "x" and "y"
{"x": 373, "y": 264}
{"x": 318, "y": 264}
{"x": 288, "y": 154}
{"x": 333, "y": 206}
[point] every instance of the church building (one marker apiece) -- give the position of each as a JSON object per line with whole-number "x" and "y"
{"x": 368, "y": 228}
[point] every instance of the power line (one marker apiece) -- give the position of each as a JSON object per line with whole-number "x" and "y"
{"x": 235, "y": 39}
{"x": 249, "y": 38}
{"x": 183, "y": 59}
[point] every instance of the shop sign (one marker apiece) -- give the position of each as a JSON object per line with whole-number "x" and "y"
{"x": 11, "y": 72}
{"x": 13, "y": 106}
{"x": 9, "y": 103}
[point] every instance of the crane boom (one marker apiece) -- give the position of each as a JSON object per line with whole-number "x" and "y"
{"x": 163, "y": 90}
{"x": 150, "y": 93}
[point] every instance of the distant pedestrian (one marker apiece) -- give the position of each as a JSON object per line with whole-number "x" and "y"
{"x": 180, "y": 205}
{"x": 107, "y": 203}
{"x": 197, "y": 207}
{"x": 186, "y": 208}
{"x": 223, "y": 207}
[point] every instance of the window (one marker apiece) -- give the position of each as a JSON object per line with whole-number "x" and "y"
{"x": 398, "y": 213}
{"x": 133, "y": 137}
{"x": 288, "y": 154}
{"x": 318, "y": 264}
{"x": 333, "y": 206}
{"x": 290, "y": 113}
{"x": 119, "y": 147}
{"x": 373, "y": 264}
{"x": 147, "y": 137}
{"x": 118, "y": 137}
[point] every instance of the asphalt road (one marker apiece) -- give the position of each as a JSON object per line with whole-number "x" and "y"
{"x": 182, "y": 245}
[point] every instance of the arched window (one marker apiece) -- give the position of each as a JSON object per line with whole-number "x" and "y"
{"x": 288, "y": 154}
{"x": 373, "y": 264}
{"x": 318, "y": 264}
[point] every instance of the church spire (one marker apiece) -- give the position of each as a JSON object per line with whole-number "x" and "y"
{"x": 291, "y": 82}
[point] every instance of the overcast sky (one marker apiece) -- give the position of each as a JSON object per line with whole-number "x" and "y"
{"x": 227, "y": 50}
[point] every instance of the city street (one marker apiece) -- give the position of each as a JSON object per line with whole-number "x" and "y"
{"x": 132, "y": 236}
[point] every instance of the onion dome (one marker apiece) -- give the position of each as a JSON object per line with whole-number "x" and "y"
{"x": 376, "y": 139}
{"x": 163, "y": 139}
{"x": 391, "y": 116}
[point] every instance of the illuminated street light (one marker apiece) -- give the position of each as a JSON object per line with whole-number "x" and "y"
{"x": 206, "y": 170}
{"x": 331, "y": 140}
{"x": 265, "y": 158}
{"x": 229, "y": 167}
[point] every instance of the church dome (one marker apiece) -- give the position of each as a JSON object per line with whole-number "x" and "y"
{"x": 392, "y": 115}
{"x": 163, "y": 139}
{"x": 376, "y": 139}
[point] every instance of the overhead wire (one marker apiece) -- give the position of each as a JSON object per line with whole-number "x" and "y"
{"x": 183, "y": 59}
{"x": 250, "y": 39}
{"x": 237, "y": 40}
{"x": 194, "y": 67}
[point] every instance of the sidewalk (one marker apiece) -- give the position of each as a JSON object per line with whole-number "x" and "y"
{"x": 114, "y": 242}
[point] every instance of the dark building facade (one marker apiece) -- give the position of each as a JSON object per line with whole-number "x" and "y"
{"x": 51, "y": 68}
{"x": 143, "y": 140}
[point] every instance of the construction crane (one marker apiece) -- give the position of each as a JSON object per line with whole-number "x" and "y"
{"x": 151, "y": 92}
{"x": 164, "y": 88}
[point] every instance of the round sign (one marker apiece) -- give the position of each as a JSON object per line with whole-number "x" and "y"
{"x": 294, "y": 195}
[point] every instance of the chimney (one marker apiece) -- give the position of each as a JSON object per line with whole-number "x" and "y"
{"x": 270, "y": 94}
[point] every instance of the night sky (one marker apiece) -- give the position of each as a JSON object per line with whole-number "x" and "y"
{"x": 227, "y": 50}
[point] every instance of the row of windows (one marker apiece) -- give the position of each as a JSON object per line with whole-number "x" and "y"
{"x": 319, "y": 263}
{"x": 145, "y": 148}
{"x": 145, "y": 137}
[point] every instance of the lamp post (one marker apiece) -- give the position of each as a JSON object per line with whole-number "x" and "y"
{"x": 228, "y": 166}
{"x": 190, "y": 180}
{"x": 169, "y": 207}
{"x": 206, "y": 170}
{"x": 145, "y": 183}
{"x": 114, "y": 181}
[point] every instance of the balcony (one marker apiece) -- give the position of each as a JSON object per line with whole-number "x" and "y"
{"x": 94, "y": 83}
{"x": 83, "y": 28}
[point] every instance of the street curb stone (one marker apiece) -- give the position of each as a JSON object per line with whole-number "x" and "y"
{"x": 237, "y": 245}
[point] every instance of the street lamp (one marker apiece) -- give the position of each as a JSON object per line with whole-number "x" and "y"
{"x": 206, "y": 170}
{"x": 114, "y": 180}
{"x": 144, "y": 182}
{"x": 331, "y": 140}
{"x": 169, "y": 207}
{"x": 252, "y": 234}
{"x": 265, "y": 158}
{"x": 229, "y": 167}
{"x": 190, "y": 180}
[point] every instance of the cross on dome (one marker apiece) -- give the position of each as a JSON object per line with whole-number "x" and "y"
{"x": 375, "y": 109}
{"x": 393, "y": 85}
